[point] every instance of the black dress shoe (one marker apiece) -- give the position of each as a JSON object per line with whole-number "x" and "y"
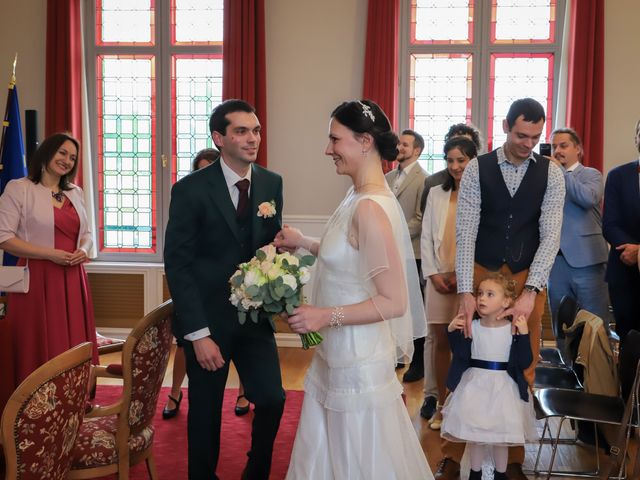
{"x": 167, "y": 412}
{"x": 514, "y": 472}
{"x": 399, "y": 366}
{"x": 448, "y": 469}
{"x": 413, "y": 374}
{"x": 239, "y": 411}
{"x": 429, "y": 407}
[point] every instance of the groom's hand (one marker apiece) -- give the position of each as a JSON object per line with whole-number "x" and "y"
{"x": 208, "y": 354}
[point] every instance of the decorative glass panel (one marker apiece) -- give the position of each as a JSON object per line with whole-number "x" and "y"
{"x": 196, "y": 90}
{"x": 523, "y": 21}
{"x": 125, "y": 22}
{"x": 442, "y": 21}
{"x": 126, "y": 149}
{"x": 440, "y": 96}
{"x": 515, "y": 76}
{"x": 196, "y": 22}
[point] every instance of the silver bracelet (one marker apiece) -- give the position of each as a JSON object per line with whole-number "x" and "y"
{"x": 337, "y": 317}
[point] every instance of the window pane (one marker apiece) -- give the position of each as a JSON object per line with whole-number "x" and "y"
{"x": 197, "y": 21}
{"x": 442, "y": 21}
{"x": 124, "y": 22}
{"x": 516, "y": 76}
{"x": 126, "y": 147}
{"x": 440, "y": 96}
{"x": 197, "y": 89}
{"x": 523, "y": 21}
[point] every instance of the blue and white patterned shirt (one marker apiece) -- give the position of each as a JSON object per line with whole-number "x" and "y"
{"x": 468, "y": 219}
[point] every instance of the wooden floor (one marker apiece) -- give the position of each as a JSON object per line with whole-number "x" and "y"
{"x": 295, "y": 361}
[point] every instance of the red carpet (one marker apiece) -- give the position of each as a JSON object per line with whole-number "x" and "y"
{"x": 170, "y": 444}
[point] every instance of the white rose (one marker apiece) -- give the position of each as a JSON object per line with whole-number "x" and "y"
{"x": 235, "y": 297}
{"x": 270, "y": 252}
{"x": 274, "y": 272}
{"x": 291, "y": 259}
{"x": 253, "y": 277}
{"x": 248, "y": 304}
{"x": 305, "y": 275}
{"x": 290, "y": 280}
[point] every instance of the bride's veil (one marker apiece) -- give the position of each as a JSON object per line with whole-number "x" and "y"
{"x": 377, "y": 253}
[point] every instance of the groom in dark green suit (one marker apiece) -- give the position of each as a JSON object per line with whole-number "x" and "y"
{"x": 214, "y": 226}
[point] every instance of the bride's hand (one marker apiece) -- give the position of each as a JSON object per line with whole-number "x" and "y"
{"x": 288, "y": 239}
{"x": 307, "y": 318}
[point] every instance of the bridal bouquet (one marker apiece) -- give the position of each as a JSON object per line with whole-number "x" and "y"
{"x": 270, "y": 284}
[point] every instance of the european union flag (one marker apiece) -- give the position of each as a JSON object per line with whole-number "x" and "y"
{"x": 12, "y": 161}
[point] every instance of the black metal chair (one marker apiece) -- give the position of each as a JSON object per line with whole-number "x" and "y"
{"x": 575, "y": 405}
{"x": 567, "y": 311}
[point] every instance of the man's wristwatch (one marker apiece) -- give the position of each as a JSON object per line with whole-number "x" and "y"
{"x": 531, "y": 288}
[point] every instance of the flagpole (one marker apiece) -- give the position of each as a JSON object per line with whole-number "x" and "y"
{"x": 5, "y": 122}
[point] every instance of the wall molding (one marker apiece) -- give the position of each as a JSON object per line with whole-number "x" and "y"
{"x": 287, "y": 340}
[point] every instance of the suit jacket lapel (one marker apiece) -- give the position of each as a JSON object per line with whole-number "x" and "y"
{"x": 410, "y": 178}
{"x": 259, "y": 193}
{"x": 220, "y": 193}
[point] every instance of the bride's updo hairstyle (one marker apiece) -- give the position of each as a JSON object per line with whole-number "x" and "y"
{"x": 365, "y": 116}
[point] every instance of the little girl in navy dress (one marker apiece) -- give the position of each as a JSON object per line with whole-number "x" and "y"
{"x": 490, "y": 402}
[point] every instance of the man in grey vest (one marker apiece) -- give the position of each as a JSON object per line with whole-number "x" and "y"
{"x": 509, "y": 220}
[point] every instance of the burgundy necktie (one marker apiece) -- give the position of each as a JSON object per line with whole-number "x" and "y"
{"x": 243, "y": 199}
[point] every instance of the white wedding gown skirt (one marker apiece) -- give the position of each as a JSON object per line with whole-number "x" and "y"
{"x": 354, "y": 424}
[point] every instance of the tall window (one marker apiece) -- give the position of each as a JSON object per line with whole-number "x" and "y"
{"x": 467, "y": 60}
{"x": 158, "y": 75}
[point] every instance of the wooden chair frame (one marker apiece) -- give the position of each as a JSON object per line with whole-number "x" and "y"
{"x": 121, "y": 407}
{"x": 77, "y": 355}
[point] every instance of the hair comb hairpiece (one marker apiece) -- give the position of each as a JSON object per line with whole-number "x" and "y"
{"x": 366, "y": 111}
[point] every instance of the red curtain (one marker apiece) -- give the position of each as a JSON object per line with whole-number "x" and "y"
{"x": 585, "y": 96}
{"x": 243, "y": 60}
{"x": 381, "y": 59}
{"x": 63, "y": 94}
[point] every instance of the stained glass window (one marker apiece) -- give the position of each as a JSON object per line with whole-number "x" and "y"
{"x": 511, "y": 75}
{"x": 197, "y": 22}
{"x": 197, "y": 89}
{"x": 467, "y": 61}
{"x": 126, "y": 180}
{"x": 124, "y": 22}
{"x": 442, "y": 21}
{"x": 440, "y": 96}
{"x": 154, "y": 95}
{"x": 523, "y": 21}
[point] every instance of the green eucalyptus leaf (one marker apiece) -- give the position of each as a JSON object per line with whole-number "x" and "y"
{"x": 254, "y": 316}
{"x": 242, "y": 317}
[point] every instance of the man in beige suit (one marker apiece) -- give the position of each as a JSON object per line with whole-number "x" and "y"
{"x": 407, "y": 183}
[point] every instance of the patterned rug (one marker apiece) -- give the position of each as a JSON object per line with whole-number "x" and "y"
{"x": 170, "y": 444}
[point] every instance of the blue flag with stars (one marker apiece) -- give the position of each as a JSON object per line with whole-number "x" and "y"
{"x": 12, "y": 161}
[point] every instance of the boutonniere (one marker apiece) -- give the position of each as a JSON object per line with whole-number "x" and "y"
{"x": 267, "y": 209}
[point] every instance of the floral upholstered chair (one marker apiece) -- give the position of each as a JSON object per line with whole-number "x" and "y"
{"x": 114, "y": 437}
{"x": 42, "y": 417}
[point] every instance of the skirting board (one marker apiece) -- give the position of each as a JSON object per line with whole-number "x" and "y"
{"x": 289, "y": 340}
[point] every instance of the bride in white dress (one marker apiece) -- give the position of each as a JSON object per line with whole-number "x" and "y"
{"x": 367, "y": 306}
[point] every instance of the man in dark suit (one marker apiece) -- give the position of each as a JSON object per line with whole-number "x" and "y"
{"x": 621, "y": 228}
{"x": 213, "y": 226}
{"x": 579, "y": 268}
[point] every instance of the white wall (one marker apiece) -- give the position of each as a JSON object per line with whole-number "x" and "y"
{"x": 23, "y": 28}
{"x": 621, "y": 80}
{"x": 315, "y": 58}
{"x": 315, "y": 61}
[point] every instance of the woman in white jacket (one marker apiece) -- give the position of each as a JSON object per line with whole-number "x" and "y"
{"x": 43, "y": 222}
{"x": 438, "y": 250}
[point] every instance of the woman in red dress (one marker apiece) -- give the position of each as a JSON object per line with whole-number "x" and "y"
{"x": 43, "y": 222}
